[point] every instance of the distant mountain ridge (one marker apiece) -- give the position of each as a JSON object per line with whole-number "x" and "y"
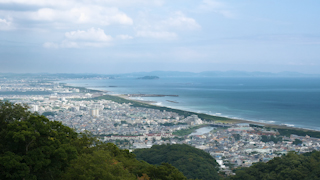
{"x": 158, "y": 74}
{"x": 218, "y": 74}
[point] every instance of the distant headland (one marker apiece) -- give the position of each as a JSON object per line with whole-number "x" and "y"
{"x": 149, "y": 77}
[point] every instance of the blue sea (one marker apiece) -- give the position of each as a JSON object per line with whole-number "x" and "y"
{"x": 290, "y": 101}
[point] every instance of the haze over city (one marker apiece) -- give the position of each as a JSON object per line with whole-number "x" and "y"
{"x": 109, "y": 36}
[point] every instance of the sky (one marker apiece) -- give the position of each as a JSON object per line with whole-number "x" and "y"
{"x": 121, "y": 36}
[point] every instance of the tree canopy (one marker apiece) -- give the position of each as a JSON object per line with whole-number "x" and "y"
{"x": 193, "y": 163}
{"x": 289, "y": 167}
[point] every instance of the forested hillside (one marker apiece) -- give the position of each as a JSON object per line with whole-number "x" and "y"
{"x": 289, "y": 167}
{"x": 32, "y": 147}
{"x": 193, "y": 163}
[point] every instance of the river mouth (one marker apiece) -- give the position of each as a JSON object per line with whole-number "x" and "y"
{"x": 202, "y": 131}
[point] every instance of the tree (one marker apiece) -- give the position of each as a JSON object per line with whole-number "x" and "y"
{"x": 291, "y": 166}
{"x": 10, "y": 112}
{"x": 297, "y": 142}
{"x": 274, "y": 139}
{"x": 236, "y": 137}
{"x": 165, "y": 172}
{"x": 35, "y": 147}
{"x": 97, "y": 165}
{"x": 192, "y": 162}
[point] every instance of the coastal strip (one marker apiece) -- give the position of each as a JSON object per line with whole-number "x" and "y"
{"x": 149, "y": 95}
{"x": 283, "y": 129}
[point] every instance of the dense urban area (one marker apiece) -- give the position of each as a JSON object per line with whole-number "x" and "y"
{"x": 133, "y": 127}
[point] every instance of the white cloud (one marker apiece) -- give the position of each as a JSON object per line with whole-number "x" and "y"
{"x": 76, "y": 39}
{"x": 168, "y": 28}
{"x": 216, "y": 7}
{"x": 5, "y": 24}
{"x": 179, "y": 20}
{"x": 69, "y": 44}
{"x": 128, "y": 3}
{"x": 95, "y": 15}
{"x": 41, "y": 3}
{"x": 157, "y": 34}
{"x": 65, "y": 13}
{"x": 46, "y": 14}
{"x": 99, "y": 15}
{"x": 69, "y": 3}
{"x": 91, "y": 34}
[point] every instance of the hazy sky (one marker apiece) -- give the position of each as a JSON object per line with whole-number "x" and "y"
{"x": 116, "y": 36}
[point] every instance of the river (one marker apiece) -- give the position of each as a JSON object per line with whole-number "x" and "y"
{"x": 202, "y": 130}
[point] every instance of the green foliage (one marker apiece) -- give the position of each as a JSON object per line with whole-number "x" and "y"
{"x": 165, "y": 172}
{"x": 10, "y": 112}
{"x": 37, "y": 148}
{"x": 97, "y": 165}
{"x": 297, "y": 141}
{"x": 167, "y": 124}
{"x": 275, "y": 139}
{"x": 49, "y": 113}
{"x": 172, "y": 124}
{"x": 236, "y": 136}
{"x": 256, "y": 126}
{"x": 192, "y": 162}
{"x": 289, "y": 131}
{"x": 299, "y": 132}
{"x": 291, "y": 166}
{"x": 120, "y": 165}
{"x": 34, "y": 148}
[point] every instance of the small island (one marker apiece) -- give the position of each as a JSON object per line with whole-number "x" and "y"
{"x": 149, "y": 77}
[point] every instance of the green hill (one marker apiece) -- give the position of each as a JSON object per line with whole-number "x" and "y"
{"x": 289, "y": 167}
{"x": 192, "y": 162}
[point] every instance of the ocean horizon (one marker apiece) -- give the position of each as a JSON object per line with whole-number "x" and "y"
{"x": 286, "y": 101}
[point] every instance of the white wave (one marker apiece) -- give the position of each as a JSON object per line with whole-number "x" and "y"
{"x": 266, "y": 121}
{"x": 290, "y": 125}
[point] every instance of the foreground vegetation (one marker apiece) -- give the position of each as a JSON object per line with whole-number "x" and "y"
{"x": 193, "y": 163}
{"x": 289, "y": 167}
{"x": 32, "y": 147}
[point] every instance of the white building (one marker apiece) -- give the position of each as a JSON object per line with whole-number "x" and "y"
{"x": 34, "y": 108}
{"x": 53, "y": 98}
{"x": 94, "y": 112}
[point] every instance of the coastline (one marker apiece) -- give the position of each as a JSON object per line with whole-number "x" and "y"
{"x": 122, "y": 98}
